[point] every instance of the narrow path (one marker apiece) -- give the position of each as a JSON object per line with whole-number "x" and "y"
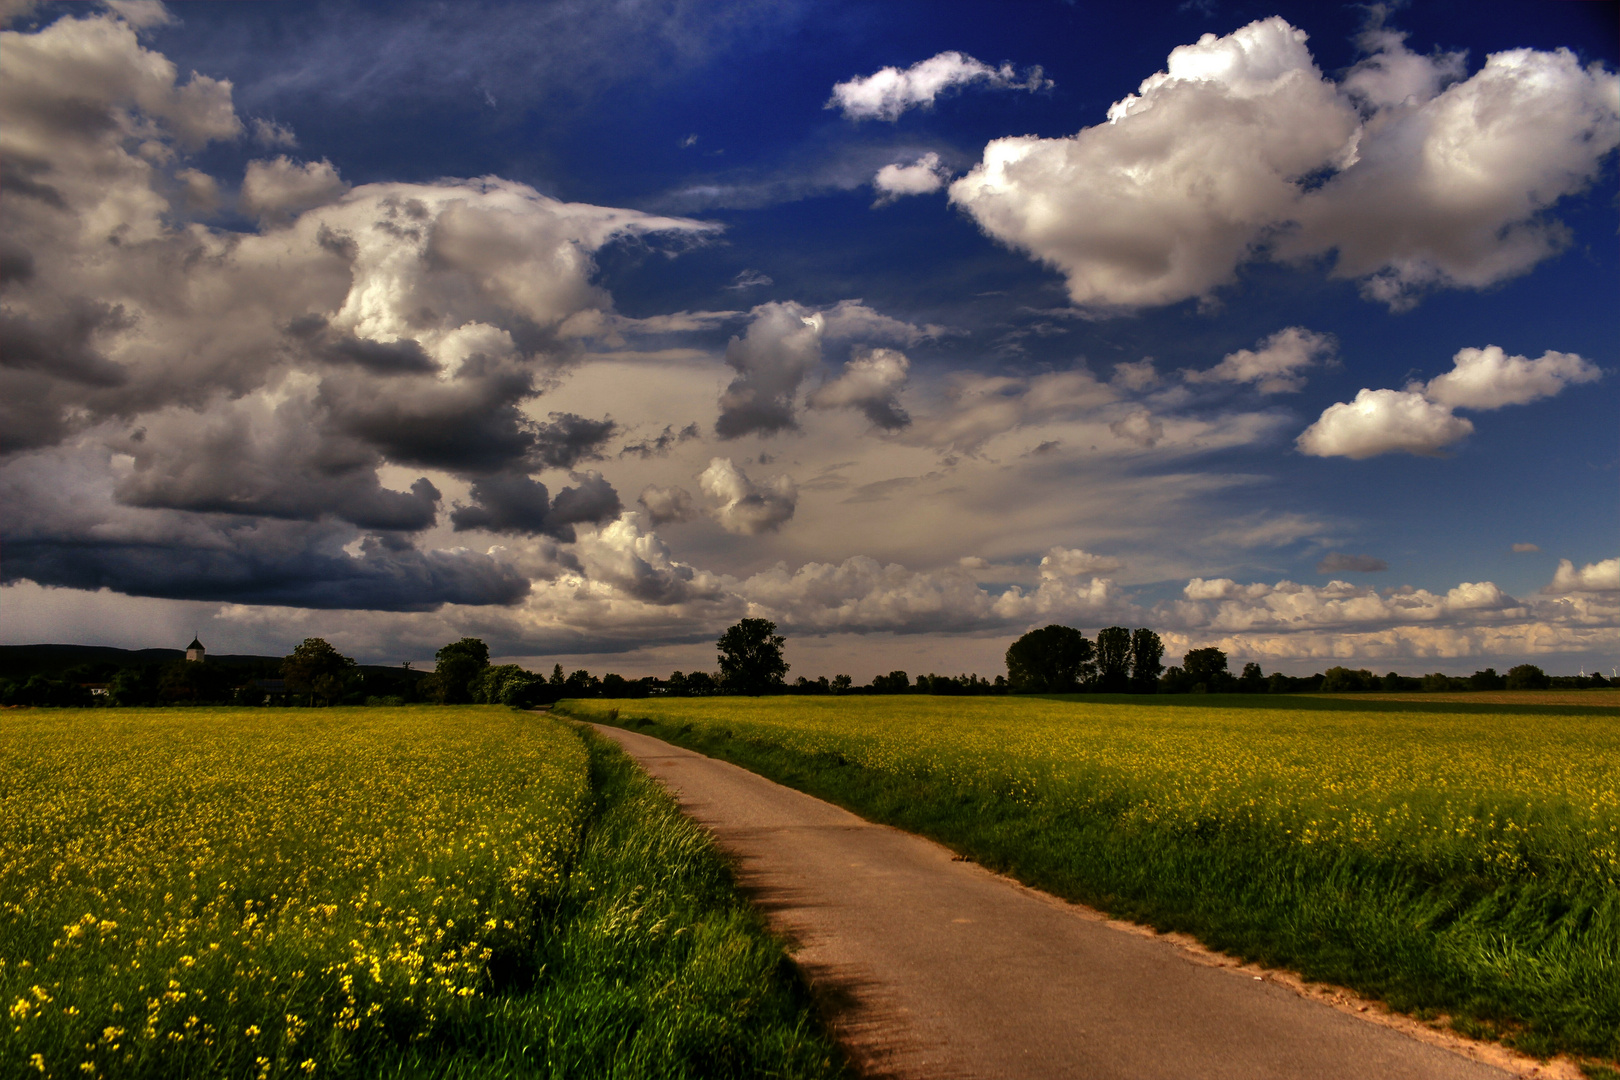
{"x": 934, "y": 968}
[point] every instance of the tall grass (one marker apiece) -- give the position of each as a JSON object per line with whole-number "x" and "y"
{"x": 1457, "y": 862}
{"x": 409, "y": 892}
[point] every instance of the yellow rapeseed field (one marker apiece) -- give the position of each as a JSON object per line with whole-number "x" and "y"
{"x": 1501, "y": 794}
{"x": 258, "y": 892}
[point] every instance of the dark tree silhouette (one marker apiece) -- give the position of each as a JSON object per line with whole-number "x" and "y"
{"x": 457, "y": 666}
{"x": 317, "y": 669}
{"x": 1207, "y": 668}
{"x": 1147, "y": 661}
{"x": 1051, "y": 660}
{"x": 751, "y": 657}
{"x": 1113, "y": 660}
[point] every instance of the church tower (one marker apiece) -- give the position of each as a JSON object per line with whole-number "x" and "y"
{"x": 195, "y": 651}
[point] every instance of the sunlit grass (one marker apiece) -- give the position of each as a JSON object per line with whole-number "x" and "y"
{"x": 1461, "y": 861}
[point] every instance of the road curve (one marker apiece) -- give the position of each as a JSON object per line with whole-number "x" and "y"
{"x": 933, "y": 968}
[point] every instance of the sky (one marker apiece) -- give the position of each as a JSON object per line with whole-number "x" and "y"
{"x": 589, "y": 329}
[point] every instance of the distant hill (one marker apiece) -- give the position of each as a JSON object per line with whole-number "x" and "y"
{"x": 18, "y": 662}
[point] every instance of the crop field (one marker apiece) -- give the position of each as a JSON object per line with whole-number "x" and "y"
{"x": 1459, "y": 860}
{"x": 380, "y": 892}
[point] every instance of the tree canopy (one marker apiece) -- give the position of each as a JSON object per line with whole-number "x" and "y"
{"x": 751, "y": 657}
{"x": 317, "y": 669}
{"x": 457, "y": 669}
{"x": 1051, "y": 660}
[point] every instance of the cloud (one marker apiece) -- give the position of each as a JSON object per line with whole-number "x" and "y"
{"x": 1073, "y": 563}
{"x": 667, "y": 505}
{"x": 780, "y": 346}
{"x": 234, "y": 398}
{"x": 887, "y": 93}
{"x": 1419, "y": 419}
{"x": 1520, "y": 549}
{"x": 1489, "y": 379}
{"x": 1241, "y": 147}
{"x": 278, "y": 190}
{"x": 1452, "y": 188}
{"x": 1135, "y": 375}
{"x": 924, "y": 176}
{"x": 515, "y": 503}
{"x": 1164, "y": 200}
{"x": 750, "y": 279}
{"x": 1598, "y": 577}
{"x": 1140, "y": 427}
{"x": 1277, "y": 366}
{"x": 661, "y": 444}
{"x": 871, "y": 382}
{"x": 852, "y": 320}
{"x": 1336, "y": 562}
{"x": 745, "y": 508}
{"x": 264, "y": 456}
{"x": 268, "y": 133}
{"x": 1381, "y": 422}
{"x": 1223, "y": 604}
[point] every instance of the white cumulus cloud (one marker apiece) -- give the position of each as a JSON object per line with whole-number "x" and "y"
{"x": 924, "y": 176}
{"x": 1383, "y": 421}
{"x": 744, "y": 507}
{"x": 871, "y": 382}
{"x": 890, "y": 91}
{"x": 278, "y": 190}
{"x": 1598, "y": 577}
{"x": 1277, "y": 366}
{"x": 1221, "y": 158}
{"x": 1419, "y": 419}
{"x": 1488, "y": 378}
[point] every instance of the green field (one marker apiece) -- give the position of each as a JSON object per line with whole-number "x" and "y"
{"x": 369, "y": 892}
{"x": 1456, "y": 859}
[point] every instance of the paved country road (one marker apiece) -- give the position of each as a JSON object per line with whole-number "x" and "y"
{"x": 935, "y": 968}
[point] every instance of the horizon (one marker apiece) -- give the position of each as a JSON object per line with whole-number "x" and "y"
{"x": 1284, "y": 329}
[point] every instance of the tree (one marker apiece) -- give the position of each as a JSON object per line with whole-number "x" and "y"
{"x": 1113, "y": 660}
{"x": 751, "y": 657}
{"x": 895, "y": 682}
{"x": 1051, "y": 660}
{"x": 1527, "y": 677}
{"x": 317, "y": 669}
{"x": 1206, "y": 668}
{"x": 456, "y": 668}
{"x": 1253, "y": 680}
{"x": 841, "y": 684}
{"x": 1147, "y": 661}
{"x": 1487, "y": 680}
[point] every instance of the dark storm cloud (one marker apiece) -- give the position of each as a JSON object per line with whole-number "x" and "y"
{"x": 515, "y": 503}
{"x": 62, "y": 345}
{"x": 279, "y": 563}
{"x": 570, "y": 438}
{"x": 469, "y": 425}
{"x": 402, "y": 357}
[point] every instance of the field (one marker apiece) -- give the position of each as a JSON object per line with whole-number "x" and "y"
{"x": 1459, "y": 860}
{"x": 380, "y": 892}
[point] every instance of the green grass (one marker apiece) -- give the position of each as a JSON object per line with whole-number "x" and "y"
{"x": 1463, "y": 862}
{"x": 405, "y": 893}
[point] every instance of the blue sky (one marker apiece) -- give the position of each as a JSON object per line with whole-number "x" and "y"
{"x": 588, "y": 329}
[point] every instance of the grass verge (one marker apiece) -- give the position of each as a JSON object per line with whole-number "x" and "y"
{"x": 1493, "y": 909}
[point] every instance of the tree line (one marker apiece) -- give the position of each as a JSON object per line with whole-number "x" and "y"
{"x": 1053, "y": 659}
